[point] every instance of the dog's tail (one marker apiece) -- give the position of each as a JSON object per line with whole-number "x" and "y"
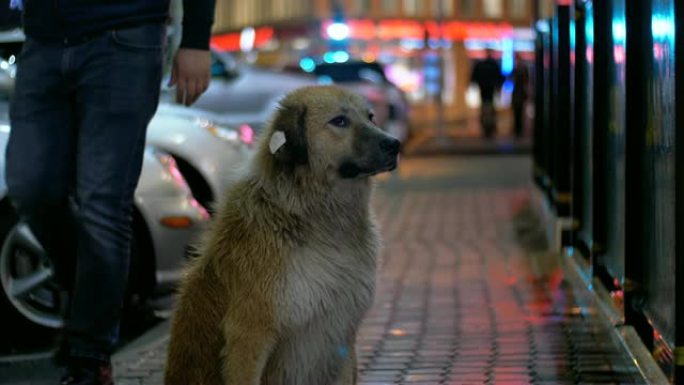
{"x": 195, "y": 345}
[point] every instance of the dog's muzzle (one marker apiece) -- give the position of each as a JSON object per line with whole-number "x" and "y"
{"x": 390, "y": 147}
{"x": 382, "y": 160}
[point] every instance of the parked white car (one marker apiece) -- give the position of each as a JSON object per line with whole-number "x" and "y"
{"x": 167, "y": 219}
{"x": 240, "y": 94}
{"x": 207, "y": 154}
{"x": 188, "y": 162}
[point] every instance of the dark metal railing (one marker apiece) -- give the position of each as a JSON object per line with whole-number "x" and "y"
{"x": 605, "y": 154}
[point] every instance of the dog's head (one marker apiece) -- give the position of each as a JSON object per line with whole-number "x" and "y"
{"x": 331, "y": 131}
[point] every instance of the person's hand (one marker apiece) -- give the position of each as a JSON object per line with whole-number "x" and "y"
{"x": 190, "y": 74}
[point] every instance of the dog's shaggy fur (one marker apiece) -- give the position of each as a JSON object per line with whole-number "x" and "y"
{"x": 287, "y": 268}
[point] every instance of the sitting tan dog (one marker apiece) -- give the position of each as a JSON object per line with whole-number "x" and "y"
{"x": 287, "y": 268}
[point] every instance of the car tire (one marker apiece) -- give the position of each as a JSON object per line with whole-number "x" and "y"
{"x": 34, "y": 321}
{"x": 18, "y": 329}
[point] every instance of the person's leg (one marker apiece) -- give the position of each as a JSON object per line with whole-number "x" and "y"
{"x": 483, "y": 118}
{"x": 518, "y": 120}
{"x": 39, "y": 156}
{"x": 488, "y": 118}
{"x": 119, "y": 78}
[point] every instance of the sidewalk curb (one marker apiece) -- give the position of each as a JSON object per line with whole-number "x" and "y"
{"x": 622, "y": 334}
{"x": 147, "y": 342}
{"x": 591, "y": 292}
{"x": 449, "y": 145}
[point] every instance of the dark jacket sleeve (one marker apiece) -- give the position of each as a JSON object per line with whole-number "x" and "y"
{"x": 198, "y": 17}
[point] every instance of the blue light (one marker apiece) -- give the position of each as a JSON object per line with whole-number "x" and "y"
{"x": 307, "y": 64}
{"x": 589, "y": 26}
{"x": 340, "y": 56}
{"x": 543, "y": 26}
{"x": 619, "y": 31}
{"x": 325, "y": 79}
{"x": 571, "y": 251}
{"x": 507, "y": 86}
{"x": 662, "y": 27}
{"x": 432, "y": 88}
{"x": 329, "y": 57}
{"x": 507, "y": 56}
{"x": 432, "y": 72}
{"x": 573, "y": 34}
{"x": 338, "y": 31}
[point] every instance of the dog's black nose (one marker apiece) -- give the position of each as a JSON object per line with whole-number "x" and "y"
{"x": 390, "y": 145}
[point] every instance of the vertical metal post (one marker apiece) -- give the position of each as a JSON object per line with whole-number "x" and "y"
{"x": 638, "y": 42}
{"x": 540, "y": 165}
{"x": 679, "y": 197}
{"x": 562, "y": 142}
{"x": 440, "y": 64}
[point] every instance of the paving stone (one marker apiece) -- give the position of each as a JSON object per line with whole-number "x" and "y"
{"x": 458, "y": 301}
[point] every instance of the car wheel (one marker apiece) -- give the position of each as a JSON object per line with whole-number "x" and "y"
{"x": 198, "y": 184}
{"x": 31, "y": 301}
{"x": 31, "y": 298}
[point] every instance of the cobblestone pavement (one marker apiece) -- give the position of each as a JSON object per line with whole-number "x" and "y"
{"x": 459, "y": 301}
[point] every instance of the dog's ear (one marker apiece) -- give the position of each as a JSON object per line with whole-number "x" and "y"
{"x": 290, "y": 120}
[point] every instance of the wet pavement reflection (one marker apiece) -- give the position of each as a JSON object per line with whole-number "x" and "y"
{"x": 467, "y": 293}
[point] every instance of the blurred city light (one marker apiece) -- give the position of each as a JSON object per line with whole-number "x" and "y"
{"x": 301, "y": 43}
{"x": 307, "y": 64}
{"x": 368, "y": 58}
{"x": 662, "y": 27}
{"x": 338, "y": 31}
{"x": 543, "y": 26}
{"x": 340, "y": 56}
{"x": 507, "y": 56}
{"x": 263, "y": 38}
{"x": 329, "y": 57}
{"x": 411, "y": 44}
{"x": 507, "y": 87}
{"x": 247, "y": 39}
{"x": 619, "y": 31}
{"x": 325, "y": 80}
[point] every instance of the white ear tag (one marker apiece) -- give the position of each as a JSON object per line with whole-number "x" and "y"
{"x": 277, "y": 141}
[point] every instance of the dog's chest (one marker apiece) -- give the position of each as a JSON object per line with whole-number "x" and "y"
{"x": 327, "y": 283}
{"x": 325, "y": 294}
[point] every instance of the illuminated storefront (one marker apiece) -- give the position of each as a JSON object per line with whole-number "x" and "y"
{"x": 426, "y": 47}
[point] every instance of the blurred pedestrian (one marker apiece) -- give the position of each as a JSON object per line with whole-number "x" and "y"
{"x": 87, "y": 85}
{"x": 487, "y": 75}
{"x": 521, "y": 78}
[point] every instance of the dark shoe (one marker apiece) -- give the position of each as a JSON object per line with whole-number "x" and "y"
{"x": 94, "y": 374}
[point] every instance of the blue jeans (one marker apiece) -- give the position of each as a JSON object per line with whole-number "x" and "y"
{"x": 79, "y": 116}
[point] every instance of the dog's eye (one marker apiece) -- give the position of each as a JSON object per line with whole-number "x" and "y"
{"x": 371, "y": 117}
{"x": 340, "y": 121}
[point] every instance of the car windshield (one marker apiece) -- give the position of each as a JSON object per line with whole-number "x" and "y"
{"x": 351, "y": 72}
